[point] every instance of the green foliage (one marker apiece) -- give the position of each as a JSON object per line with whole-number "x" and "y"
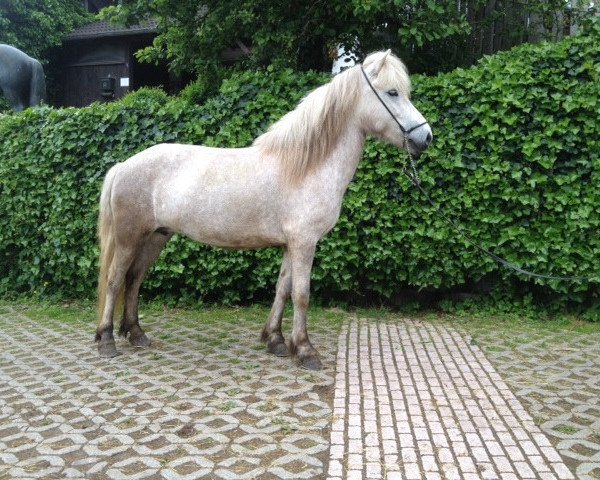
{"x": 299, "y": 34}
{"x": 515, "y": 162}
{"x": 150, "y": 95}
{"x": 36, "y": 25}
{"x": 203, "y": 87}
{"x": 304, "y": 34}
{"x": 4, "y": 106}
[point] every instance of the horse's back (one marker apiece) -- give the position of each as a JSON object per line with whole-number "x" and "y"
{"x": 171, "y": 162}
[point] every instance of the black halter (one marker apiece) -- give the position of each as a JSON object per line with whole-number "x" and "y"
{"x": 402, "y": 129}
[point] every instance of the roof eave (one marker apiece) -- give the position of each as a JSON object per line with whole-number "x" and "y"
{"x": 123, "y": 33}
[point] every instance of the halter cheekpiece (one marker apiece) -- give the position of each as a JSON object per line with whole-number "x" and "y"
{"x": 402, "y": 129}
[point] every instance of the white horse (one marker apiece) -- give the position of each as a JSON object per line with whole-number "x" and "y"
{"x": 285, "y": 190}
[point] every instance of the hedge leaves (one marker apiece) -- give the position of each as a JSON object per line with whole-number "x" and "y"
{"x": 515, "y": 162}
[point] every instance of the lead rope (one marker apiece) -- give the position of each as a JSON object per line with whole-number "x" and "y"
{"x": 414, "y": 176}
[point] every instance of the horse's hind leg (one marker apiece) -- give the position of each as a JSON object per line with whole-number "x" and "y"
{"x": 144, "y": 259}
{"x": 122, "y": 258}
{"x": 271, "y": 334}
{"x": 301, "y": 258}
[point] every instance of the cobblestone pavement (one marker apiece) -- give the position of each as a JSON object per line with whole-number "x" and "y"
{"x": 415, "y": 400}
{"x": 556, "y": 376}
{"x": 398, "y": 399}
{"x": 205, "y": 401}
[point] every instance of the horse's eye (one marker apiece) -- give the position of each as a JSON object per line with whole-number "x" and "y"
{"x": 392, "y": 93}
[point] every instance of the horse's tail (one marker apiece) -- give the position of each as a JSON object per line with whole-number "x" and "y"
{"x": 37, "y": 88}
{"x": 106, "y": 235}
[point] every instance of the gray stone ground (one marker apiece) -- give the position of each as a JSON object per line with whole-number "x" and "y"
{"x": 409, "y": 399}
{"x": 556, "y": 376}
{"x": 205, "y": 401}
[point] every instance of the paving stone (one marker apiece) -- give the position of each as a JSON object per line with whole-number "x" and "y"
{"x": 182, "y": 409}
{"x": 452, "y": 416}
{"x": 555, "y": 377}
{"x": 403, "y": 399}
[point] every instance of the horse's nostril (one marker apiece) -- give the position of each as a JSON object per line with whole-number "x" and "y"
{"x": 428, "y": 138}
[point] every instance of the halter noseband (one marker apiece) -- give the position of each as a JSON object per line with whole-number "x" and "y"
{"x": 402, "y": 129}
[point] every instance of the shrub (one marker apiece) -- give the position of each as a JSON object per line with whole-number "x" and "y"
{"x": 149, "y": 95}
{"x": 204, "y": 86}
{"x": 4, "y": 106}
{"x": 514, "y": 161}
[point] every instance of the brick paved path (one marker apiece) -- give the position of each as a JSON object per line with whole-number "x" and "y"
{"x": 415, "y": 401}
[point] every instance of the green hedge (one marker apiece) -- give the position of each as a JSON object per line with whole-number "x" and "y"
{"x": 515, "y": 162}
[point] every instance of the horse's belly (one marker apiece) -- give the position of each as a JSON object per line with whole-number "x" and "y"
{"x": 230, "y": 223}
{"x": 232, "y": 235}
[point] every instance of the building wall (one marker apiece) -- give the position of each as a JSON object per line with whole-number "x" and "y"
{"x": 81, "y": 84}
{"x": 86, "y": 62}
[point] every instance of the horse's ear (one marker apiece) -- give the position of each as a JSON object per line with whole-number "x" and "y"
{"x": 378, "y": 64}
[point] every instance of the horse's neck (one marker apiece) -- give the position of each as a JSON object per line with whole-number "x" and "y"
{"x": 340, "y": 166}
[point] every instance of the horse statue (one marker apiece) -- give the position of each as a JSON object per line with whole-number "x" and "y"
{"x": 22, "y": 78}
{"x": 285, "y": 190}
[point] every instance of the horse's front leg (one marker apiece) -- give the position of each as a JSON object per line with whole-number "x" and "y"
{"x": 301, "y": 258}
{"x": 271, "y": 334}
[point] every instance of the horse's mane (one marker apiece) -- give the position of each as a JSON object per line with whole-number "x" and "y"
{"x": 304, "y": 137}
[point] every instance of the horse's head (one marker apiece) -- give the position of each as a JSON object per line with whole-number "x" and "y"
{"x": 385, "y": 105}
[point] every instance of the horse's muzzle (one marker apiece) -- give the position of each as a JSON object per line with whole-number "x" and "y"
{"x": 419, "y": 145}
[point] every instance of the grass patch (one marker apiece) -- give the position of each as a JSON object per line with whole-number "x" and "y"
{"x": 287, "y": 428}
{"x": 476, "y": 321}
{"x": 312, "y": 378}
{"x": 504, "y": 333}
{"x": 228, "y": 406}
{"x": 566, "y": 429}
{"x": 525, "y": 324}
{"x": 42, "y": 311}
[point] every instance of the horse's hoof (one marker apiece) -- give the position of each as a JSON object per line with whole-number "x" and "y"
{"x": 108, "y": 349}
{"x": 140, "y": 341}
{"x": 279, "y": 349}
{"x": 311, "y": 363}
